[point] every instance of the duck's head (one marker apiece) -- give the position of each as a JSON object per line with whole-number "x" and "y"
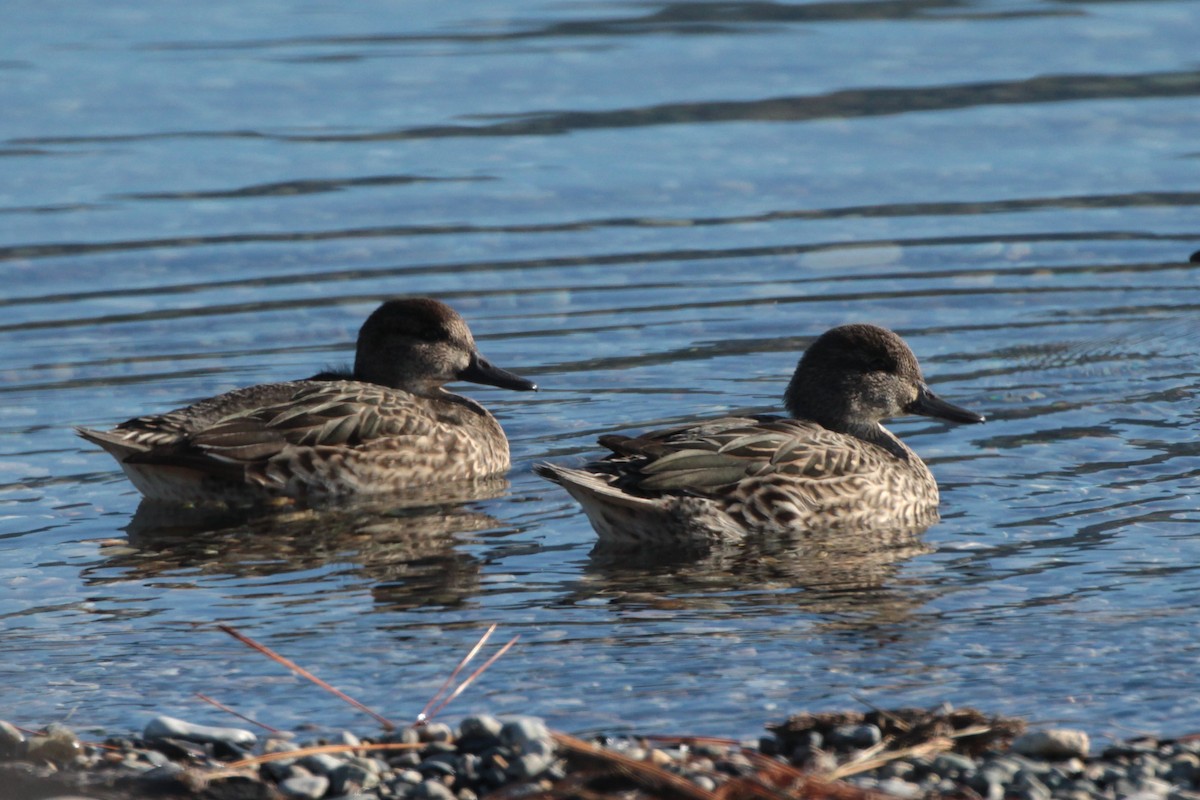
{"x": 854, "y": 376}
{"x": 419, "y": 344}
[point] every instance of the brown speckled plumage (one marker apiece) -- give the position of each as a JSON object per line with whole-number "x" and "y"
{"x": 831, "y": 466}
{"x": 385, "y": 426}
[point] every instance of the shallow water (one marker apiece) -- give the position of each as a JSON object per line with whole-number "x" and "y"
{"x": 650, "y": 209}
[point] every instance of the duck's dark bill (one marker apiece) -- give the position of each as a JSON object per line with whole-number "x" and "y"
{"x": 480, "y": 370}
{"x": 929, "y": 404}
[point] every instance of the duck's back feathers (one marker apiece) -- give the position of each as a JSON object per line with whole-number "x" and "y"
{"x": 726, "y": 477}
{"x": 309, "y": 439}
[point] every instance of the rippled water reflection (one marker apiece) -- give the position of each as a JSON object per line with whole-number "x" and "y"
{"x": 650, "y": 210}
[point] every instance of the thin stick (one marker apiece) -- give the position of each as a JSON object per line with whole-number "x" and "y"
{"x": 474, "y": 675}
{"x": 324, "y": 748}
{"x": 423, "y": 716}
{"x": 387, "y": 724}
{"x": 229, "y": 710}
{"x": 643, "y": 772}
{"x": 853, "y": 768}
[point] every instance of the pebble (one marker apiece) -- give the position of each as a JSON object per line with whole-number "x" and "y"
{"x": 320, "y": 763}
{"x": 432, "y": 790}
{"x": 1052, "y": 743}
{"x": 163, "y": 727}
{"x": 436, "y": 732}
{"x": 304, "y": 787}
{"x": 520, "y": 732}
{"x": 480, "y": 726}
{"x": 349, "y": 778}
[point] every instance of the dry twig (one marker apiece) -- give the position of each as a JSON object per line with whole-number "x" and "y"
{"x": 301, "y": 671}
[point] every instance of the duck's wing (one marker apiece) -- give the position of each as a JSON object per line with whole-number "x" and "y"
{"x": 224, "y": 441}
{"x": 712, "y": 458}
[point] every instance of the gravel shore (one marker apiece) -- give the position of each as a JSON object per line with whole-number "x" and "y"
{"x": 905, "y": 753}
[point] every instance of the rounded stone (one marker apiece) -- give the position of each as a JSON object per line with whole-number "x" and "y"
{"x": 410, "y": 776}
{"x": 431, "y": 790}
{"x": 1053, "y": 743}
{"x": 436, "y": 732}
{"x": 954, "y": 765}
{"x": 529, "y": 766}
{"x": 899, "y": 788}
{"x": 320, "y": 763}
{"x": 304, "y": 787}
{"x": 164, "y": 727}
{"x": 349, "y": 778}
{"x": 481, "y": 725}
{"x": 857, "y": 736}
{"x": 520, "y": 731}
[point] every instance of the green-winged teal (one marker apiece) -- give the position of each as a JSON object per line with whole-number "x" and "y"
{"x": 384, "y": 426}
{"x": 832, "y": 465}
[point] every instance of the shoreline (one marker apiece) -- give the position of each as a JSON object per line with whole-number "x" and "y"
{"x": 906, "y": 753}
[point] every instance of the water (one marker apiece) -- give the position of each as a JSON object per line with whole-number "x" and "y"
{"x": 650, "y": 209}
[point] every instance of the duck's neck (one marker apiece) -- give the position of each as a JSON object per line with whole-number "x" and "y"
{"x": 878, "y": 435}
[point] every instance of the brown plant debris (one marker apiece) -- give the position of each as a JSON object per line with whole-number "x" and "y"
{"x": 969, "y": 731}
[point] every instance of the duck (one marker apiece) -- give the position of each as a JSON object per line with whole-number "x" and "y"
{"x": 830, "y": 464}
{"x": 384, "y": 426}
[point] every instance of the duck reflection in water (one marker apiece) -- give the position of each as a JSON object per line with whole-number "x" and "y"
{"x": 407, "y": 548}
{"x": 852, "y": 582}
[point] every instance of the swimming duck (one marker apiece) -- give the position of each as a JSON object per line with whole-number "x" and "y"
{"x": 831, "y": 465}
{"x": 386, "y": 425}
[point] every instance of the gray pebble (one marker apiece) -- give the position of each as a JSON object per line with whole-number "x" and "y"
{"x": 954, "y": 765}
{"x": 304, "y": 787}
{"x": 704, "y": 782}
{"x": 482, "y": 725}
{"x": 163, "y": 727}
{"x": 493, "y": 776}
{"x": 431, "y": 790}
{"x": 468, "y": 767}
{"x": 279, "y": 770}
{"x": 410, "y": 776}
{"x": 320, "y": 763}
{"x": 438, "y": 769}
{"x": 1184, "y": 768}
{"x": 167, "y": 772}
{"x": 436, "y": 732}
{"x": 529, "y": 766}
{"x": 899, "y": 788}
{"x": 1053, "y": 743}
{"x": 1030, "y": 786}
{"x": 1152, "y": 788}
{"x": 351, "y": 777}
{"x": 409, "y": 735}
{"x": 860, "y": 736}
{"x": 519, "y": 731}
